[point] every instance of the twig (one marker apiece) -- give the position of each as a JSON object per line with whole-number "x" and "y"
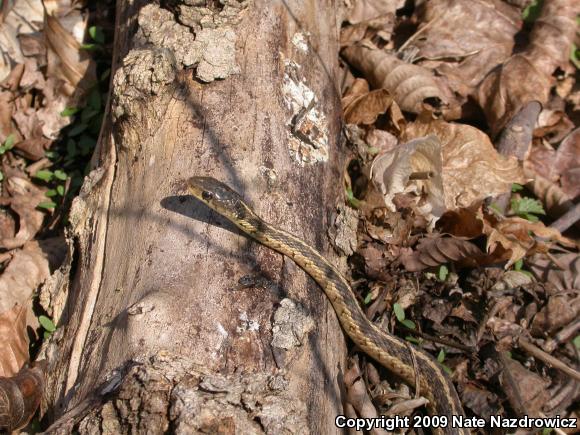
{"x": 444, "y": 341}
{"x": 547, "y": 358}
{"x": 563, "y": 336}
{"x": 567, "y": 219}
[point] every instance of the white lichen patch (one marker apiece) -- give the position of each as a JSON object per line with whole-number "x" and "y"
{"x": 291, "y": 325}
{"x": 247, "y": 324}
{"x": 307, "y": 126}
{"x": 299, "y": 41}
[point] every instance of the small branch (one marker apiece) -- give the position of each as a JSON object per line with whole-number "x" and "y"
{"x": 567, "y": 219}
{"x": 547, "y": 358}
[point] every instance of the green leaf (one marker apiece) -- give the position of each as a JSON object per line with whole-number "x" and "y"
{"x": 94, "y": 100}
{"x": 413, "y": 340}
{"x": 69, "y": 111}
{"x": 524, "y": 207}
{"x": 441, "y": 356}
{"x": 355, "y": 203}
{"x": 50, "y": 193}
{"x": 547, "y": 431}
{"x": 575, "y": 56}
{"x": 408, "y": 323}
{"x": 399, "y": 312}
{"x": 61, "y": 175}
{"x": 447, "y": 370}
{"x": 9, "y": 142}
{"x": 48, "y": 205}
{"x": 442, "y": 272}
{"x": 576, "y": 341}
{"x": 495, "y": 208}
{"x": 77, "y": 129}
{"x": 1, "y": 176}
{"x": 517, "y": 187}
{"x": 46, "y": 335}
{"x": 44, "y": 175}
{"x": 46, "y": 323}
{"x": 60, "y": 189}
{"x": 50, "y": 154}
{"x": 532, "y": 11}
{"x": 519, "y": 264}
{"x": 90, "y": 47}
{"x": 97, "y": 34}
{"x": 105, "y": 74}
{"x": 368, "y": 298}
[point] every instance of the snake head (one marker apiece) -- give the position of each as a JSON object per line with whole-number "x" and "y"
{"x": 218, "y": 196}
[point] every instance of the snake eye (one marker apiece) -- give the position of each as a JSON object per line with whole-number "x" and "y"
{"x": 206, "y": 195}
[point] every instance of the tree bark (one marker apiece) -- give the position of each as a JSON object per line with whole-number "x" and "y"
{"x": 173, "y": 320}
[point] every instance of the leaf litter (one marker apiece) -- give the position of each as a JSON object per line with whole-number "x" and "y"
{"x": 455, "y": 248}
{"x": 47, "y": 75}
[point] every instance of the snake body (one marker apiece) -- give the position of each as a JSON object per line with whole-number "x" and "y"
{"x": 415, "y": 367}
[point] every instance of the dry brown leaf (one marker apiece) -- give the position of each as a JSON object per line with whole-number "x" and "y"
{"x": 14, "y": 343}
{"x": 66, "y": 60}
{"x": 365, "y": 10}
{"x": 528, "y": 75}
{"x": 395, "y": 172}
{"x": 553, "y": 125}
{"x": 367, "y": 108}
{"x": 554, "y": 199}
{"x": 472, "y": 168}
{"x": 412, "y": 86}
{"x": 26, "y": 271}
{"x": 525, "y": 390}
{"x": 567, "y": 164}
{"x": 465, "y": 39}
{"x": 24, "y": 198}
{"x": 358, "y": 397}
{"x": 20, "y": 396}
{"x": 23, "y": 19}
{"x": 483, "y": 403}
{"x": 516, "y": 235}
{"x": 560, "y": 310}
{"x": 563, "y": 276}
{"x": 381, "y": 26}
{"x": 431, "y": 252}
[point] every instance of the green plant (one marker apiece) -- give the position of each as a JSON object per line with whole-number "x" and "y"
{"x": 441, "y": 359}
{"x": 401, "y": 317}
{"x": 353, "y": 202}
{"x": 47, "y": 325}
{"x": 527, "y": 208}
{"x": 442, "y": 273}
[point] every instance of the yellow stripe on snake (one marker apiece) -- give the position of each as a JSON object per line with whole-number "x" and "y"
{"x": 409, "y": 363}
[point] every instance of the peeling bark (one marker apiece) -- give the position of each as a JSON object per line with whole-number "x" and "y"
{"x": 172, "y": 320}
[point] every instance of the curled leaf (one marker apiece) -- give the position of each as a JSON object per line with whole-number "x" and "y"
{"x": 409, "y": 84}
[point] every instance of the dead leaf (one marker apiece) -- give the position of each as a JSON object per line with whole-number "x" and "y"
{"x": 563, "y": 276}
{"x": 26, "y": 271}
{"x": 396, "y": 172}
{"x": 66, "y": 59}
{"x": 465, "y": 39}
{"x": 380, "y": 27}
{"x": 367, "y": 108}
{"x": 528, "y": 75}
{"x": 413, "y": 87}
{"x": 525, "y": 390}
{"x": 567, "y": 164}
{"x": 560, "y": 310}
{"x": 24, "y": 198}
{"x": 14, "y": 343}
{"x": 472, "y": 168}
{"x": 483, "y": 403}
{"x": 516, "y": 235}
{"x": 20, "y": 396}
{"x": 432, "y": 252}
{"x": 365, "y": 10}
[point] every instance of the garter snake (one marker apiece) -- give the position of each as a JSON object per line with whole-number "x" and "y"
{"x": 415, "y": 367}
